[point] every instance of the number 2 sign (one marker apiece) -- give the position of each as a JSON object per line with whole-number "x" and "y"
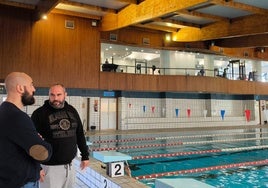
{"x": 116, "y": 169}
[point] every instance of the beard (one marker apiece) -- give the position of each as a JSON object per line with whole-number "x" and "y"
{"x": 57, "y": 104}
{"x": 27, "y": 98}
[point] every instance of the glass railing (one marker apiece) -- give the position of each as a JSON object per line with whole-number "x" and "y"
{"x": 223, "y": 73}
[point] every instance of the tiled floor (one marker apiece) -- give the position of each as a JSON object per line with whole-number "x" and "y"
{"x": 80, "y": 184}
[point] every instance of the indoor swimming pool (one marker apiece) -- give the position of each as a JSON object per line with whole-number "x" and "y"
{"x": 220, "y": 158}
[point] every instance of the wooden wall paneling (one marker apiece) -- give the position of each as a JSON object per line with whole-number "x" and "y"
{"x": 261, "y": 54}
{"x": 162, "y": 83}
{"x": 66, "y": 49}
{"x": 48, "y": 51}
{"x": 51, "y": 53}
{"x": 116, "y": 81}
{"x": 261, "y": 88}
{"x": 105, "y": 79}
{"x": 120, "y": 81}
{"x": 134, "y": 36}
{"x": 244, "y": 26}
{"x": 42, "y": 49}
{"x": 153, "y": 82}
{"x": 55, "y": 43}
{"x": 129, "y": 82}
{"x": 240, "y": 86}
{"x": 196, "y": 83}
{"x": 2, "y": 74}
{"x": 140, "y": 82}
{"x": 216, "y": 84}
{"x": 245, "y": 41}
{"x": 250, "y": 53}
{"x": 15, "y": 40}
{"x": 70, "y": 56}
{"x": 89, "y": 44}
{"x": 234, "y": 86}
{"x": 176, "y": 83}
{"x": 145, "y": 82}
{"x": 172, "y": 83}
{"x": 113, "y": 81}
{"x": 200, "y": 46}
{"x": 250, "y": 87}
{"x": 137, "y": 13}
{"x": 1, "y": 47}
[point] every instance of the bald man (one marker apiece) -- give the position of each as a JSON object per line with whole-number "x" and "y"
{"x": 21, "y": 148}
{"x": 60, "y": 124}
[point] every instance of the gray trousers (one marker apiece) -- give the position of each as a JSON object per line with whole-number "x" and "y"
{"x": 58, "y": 176}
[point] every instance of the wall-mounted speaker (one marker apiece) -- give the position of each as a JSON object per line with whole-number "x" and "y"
{"x": 94, "y": 23}
{"x": 69, "y": 24}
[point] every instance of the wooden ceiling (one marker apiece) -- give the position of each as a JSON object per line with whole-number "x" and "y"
{"x": 226, "y": 23}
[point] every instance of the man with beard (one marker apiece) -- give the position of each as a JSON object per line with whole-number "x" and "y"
{"x": 60, "y": 125}
{"x": 21, "y": 147}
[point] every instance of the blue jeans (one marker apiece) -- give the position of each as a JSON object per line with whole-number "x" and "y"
{"x": 31, "y": 185}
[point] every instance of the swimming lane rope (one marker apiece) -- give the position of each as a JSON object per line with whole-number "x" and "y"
{"x": 183, "y": 153}
{"x": 197, "y": 170}
{"x": 174, "y": 144}
{"x": 137, "y": 147}
{"x": 170, "y": 137}
{"x": 122, "y": 140}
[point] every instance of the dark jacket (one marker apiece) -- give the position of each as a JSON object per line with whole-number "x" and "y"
{"x": 17, "y": 136}
{"x": 63, "y": 129}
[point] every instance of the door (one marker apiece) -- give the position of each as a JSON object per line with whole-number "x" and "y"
{"x": 108, "y": 113}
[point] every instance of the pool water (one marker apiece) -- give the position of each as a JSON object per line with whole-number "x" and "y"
{"x": 247, "y": 177}
{"x": 221, "y": 149}
{"x": 250, "y": 176}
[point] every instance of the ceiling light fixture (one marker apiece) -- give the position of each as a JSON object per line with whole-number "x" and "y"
{"x": 168, "y": 37}
{"x": 44, "y": 17}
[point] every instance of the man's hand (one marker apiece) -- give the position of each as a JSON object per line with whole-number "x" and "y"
{"x": 84, "y": 164}
{"x": 42, "y": 175}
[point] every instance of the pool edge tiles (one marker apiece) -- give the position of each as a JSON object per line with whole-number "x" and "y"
{"x": 180, "y": 182}
{"x": 95, "y": 176}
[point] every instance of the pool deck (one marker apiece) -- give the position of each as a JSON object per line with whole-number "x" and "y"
{"x": 123, "y": 181}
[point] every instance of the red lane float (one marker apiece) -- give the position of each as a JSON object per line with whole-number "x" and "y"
{"x": 123, "y": 140}
{"x": 199, "y": 152}
{"x": 196, "y": 170}
{"x": 176, "y": 154}
{"x": 136, "y": 147}
{"x": 168, "y": 137}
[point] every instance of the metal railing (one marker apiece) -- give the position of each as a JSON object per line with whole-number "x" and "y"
{"x": 232, "y": 75}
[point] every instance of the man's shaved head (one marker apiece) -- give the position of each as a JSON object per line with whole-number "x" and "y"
{"x": 14, "y": 79}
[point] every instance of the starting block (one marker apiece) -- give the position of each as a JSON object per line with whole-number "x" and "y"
{"x": 114, "y": 160}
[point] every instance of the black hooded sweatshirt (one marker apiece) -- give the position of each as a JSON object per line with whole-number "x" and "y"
{"x": 63, "y": 129}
